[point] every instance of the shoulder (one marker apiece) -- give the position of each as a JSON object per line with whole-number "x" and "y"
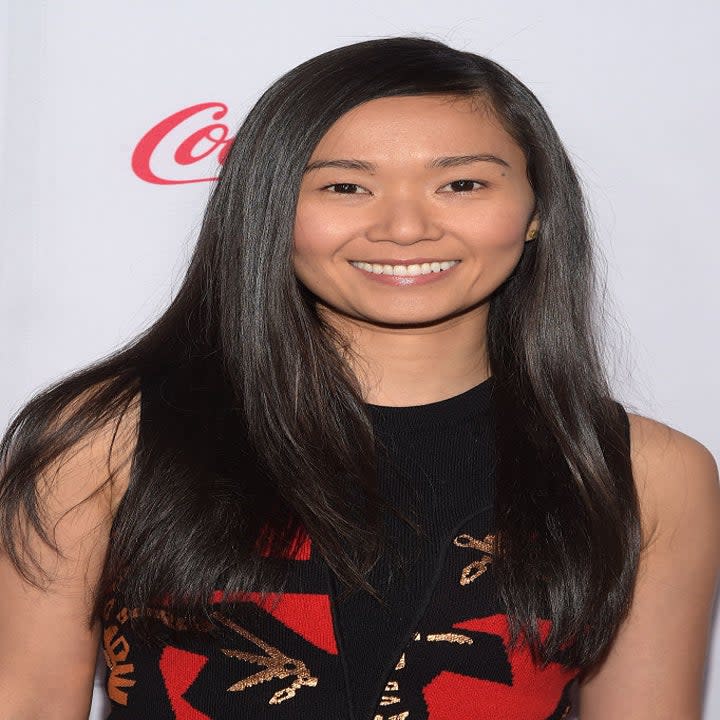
{"x": 94, "y": 471}
{"x": 655, "y": 666}
{"x": 676, "y": 478}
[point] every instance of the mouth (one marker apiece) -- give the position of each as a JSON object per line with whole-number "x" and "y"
{"x": 405, "y": 269}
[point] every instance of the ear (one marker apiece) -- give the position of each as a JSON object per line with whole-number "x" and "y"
{"x": 533, "y": 228}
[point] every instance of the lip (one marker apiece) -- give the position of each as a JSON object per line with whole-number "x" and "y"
{"x": 409, "y": 261}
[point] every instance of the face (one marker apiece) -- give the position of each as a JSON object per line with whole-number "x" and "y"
{"x": 409, "y": 181}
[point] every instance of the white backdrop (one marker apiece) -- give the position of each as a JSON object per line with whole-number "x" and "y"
{"x": 91, "y": 252}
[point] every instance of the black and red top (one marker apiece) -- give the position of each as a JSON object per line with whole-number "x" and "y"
{"x": 438, "y": 649}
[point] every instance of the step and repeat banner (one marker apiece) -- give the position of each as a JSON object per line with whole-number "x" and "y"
{"x": 117, "y": 116}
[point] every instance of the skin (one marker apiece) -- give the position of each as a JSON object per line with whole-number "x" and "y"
{"x": 419, "y": 344}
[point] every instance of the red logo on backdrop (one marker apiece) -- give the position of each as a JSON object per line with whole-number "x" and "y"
{"x": 172, "y": 151}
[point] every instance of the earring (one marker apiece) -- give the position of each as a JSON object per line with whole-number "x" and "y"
{"x": 532, "y": 234}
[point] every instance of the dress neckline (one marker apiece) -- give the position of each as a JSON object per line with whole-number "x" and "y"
{"x": 476, "y": 400}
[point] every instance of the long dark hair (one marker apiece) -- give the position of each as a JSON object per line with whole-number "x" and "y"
{"x": 261, "y": 429}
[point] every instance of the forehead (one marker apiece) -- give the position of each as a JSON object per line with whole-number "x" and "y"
{"x": 394, "y": 128}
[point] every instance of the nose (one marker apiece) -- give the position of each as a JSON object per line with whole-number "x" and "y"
{"x": 403, "y": 219}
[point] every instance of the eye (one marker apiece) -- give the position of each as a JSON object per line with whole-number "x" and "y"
{"x": 465, "y": 186}
{"x": 345, "y": 188}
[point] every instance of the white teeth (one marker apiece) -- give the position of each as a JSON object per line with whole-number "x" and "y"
{"x": 424, "y": 269}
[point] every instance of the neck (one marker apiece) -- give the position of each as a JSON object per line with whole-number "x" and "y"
{"x": 405, "y": 365}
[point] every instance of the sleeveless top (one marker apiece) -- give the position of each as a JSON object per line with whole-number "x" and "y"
{"x": 438, "y": 647}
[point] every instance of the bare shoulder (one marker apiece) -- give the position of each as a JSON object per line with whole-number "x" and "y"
{"x": 99, "y": 464}
{"x": 676, "y": 477}
{"x": 655, "y": 666}
{"x": 76, "y": 492}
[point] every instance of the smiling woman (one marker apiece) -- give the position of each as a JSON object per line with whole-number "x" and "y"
{"x": 367, "y": 464}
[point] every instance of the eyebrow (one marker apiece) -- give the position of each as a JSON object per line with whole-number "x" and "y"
{"x": 439, "y": 162}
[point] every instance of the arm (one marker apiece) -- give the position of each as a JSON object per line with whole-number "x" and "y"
{"x": 48, "y": 652}
{"x": 654, "y": 670}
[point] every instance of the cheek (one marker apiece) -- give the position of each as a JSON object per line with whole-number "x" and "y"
{"x": 497, "y": 242}
{"x": 315, "y": 231}
{"x": 314, "y": 243}
{"x": 319, "y": 235}
{"x": 498, "y": 234}
{"x": 307, "y": 237}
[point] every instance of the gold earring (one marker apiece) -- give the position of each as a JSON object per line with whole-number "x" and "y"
{"x": 532, "y": 234}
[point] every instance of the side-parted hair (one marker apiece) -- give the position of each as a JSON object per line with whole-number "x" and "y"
{"x": 260, "y": 428}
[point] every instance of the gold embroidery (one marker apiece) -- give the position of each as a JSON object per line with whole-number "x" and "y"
{"x": 469, "y": 573}
{"x": 172, "y": 621}
{"x": 116, "y": 649}
{"x": 394, "y": 686}
{"x": 276, "y": 663}
{"x": 476, "y": 568}
{"x": 450, "y": 637}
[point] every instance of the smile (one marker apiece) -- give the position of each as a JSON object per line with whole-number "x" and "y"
{"x": 405, "y": 270}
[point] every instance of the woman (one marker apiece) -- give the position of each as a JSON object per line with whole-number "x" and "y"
{"x": 367, "y": 464}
